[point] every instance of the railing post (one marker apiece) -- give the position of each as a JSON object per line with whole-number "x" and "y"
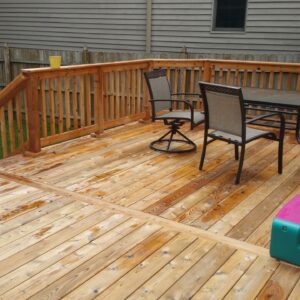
{"x": 98, "y": 98}
{"x": 146, "y": 94}
{"x": 207, "y": 71}
{"x": 34, "y": 142}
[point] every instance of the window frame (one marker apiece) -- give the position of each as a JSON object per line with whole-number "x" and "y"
{"x": 227, "y": 29}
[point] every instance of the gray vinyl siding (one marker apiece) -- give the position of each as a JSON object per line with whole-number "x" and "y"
{"x": 118, "y": 25}
{"x": 272, "y": 26}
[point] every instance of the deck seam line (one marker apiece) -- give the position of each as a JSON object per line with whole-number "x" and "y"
{"x": 239, "y": 245}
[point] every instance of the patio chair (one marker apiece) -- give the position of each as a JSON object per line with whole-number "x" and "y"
{"x": 225, "y": 120}
{"x": 162, "y": 101}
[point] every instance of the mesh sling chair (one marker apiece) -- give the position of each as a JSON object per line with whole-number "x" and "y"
{"x": 225, "y": 120}
{"x": 161, "y": 100}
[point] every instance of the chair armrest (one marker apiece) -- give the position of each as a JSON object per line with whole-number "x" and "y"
{"x": 281, "y": 116}
{"x": 188, "y": 94}
{"x": 173, "y": 100}
{"x": 282, "y": 122}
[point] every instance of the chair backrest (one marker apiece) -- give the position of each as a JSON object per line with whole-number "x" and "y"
{"x": 224, "y": 108}
{"x": 159, "y": 88}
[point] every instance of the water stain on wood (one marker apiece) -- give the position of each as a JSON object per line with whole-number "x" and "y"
{"x": 221, "y": 208}
{"x": 272, "y": 290}
{"x": 93, "y": 192}
{"x": 48, "y": 168}
{"x": 103, "y": 175}
{"x": 173, "y": 198}
{"x": 8, "y": 190}
{"x": 43, "y": 231}
{"x": 21, "y": 209}
{"x": 109, "y": 153}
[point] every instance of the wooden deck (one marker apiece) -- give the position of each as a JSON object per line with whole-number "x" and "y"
{"x": 108, "y": 218}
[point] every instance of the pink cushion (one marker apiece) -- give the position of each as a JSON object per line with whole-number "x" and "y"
{"x": 291, "y": 211}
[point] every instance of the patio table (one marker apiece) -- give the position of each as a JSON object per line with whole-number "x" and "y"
{"x": 270, "y": 99}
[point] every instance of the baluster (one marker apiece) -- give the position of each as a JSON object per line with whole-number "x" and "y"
{"x": 43, "y": 107}
{"x": 128, "y": 91}
{"x": 183, "y": 84}
{"x": 146, "y": 103}
{"x": 271, "y": 80}
{"x": 3, "y": 131}
{"x": 19, "y": 120}
{"x": 105, "y": 96}
{"x": 82, "y": 101}
{"x": 59, "y": 106}
{"x": 139, "y": 97}
{"x": 117, "y": 94}
{"x": 10, "y": 112}
{"x": 111, "y": 95}
{"x": 236, "y": 77}
{"x": 88, "y": 99}
{"x": 123, "y": 91}
{"x": 245, "y": 77}
{"x": 98, "y": 100}
{"x": 175, "y": 90}
{"x": 74, "y": 102}
{"x": 67, "y": 103}
{"x": 52, "y": 106}
{"x": 133, "y": 88}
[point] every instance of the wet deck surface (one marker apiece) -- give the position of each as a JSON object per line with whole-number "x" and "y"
{"x": 112, "y": 219}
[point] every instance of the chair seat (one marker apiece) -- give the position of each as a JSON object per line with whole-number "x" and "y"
{"x": 251, "y": 134}
{"x": 183, "y": 115}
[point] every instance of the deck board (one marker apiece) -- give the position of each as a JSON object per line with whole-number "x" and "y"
{"x": 108, "y": 218}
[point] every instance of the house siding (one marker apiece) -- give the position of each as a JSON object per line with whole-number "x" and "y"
{"x": 118, "y": 25}
{"x": 272, "y": 27}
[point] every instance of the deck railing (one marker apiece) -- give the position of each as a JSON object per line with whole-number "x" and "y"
{"x": 45, "y": 106}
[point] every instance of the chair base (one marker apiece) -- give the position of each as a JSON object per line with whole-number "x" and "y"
{"x": 154, "y": 145}
{"x": 174, "y": 126}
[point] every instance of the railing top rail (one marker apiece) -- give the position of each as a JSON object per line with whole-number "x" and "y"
{"x": 254, "y": 62}
{"x": 80, "y": 69}
{"x": 13, "y": 88}
{"x": 89, "y": 67}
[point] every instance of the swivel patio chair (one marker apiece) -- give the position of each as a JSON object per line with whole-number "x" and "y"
{"x": 162, "y": 101}
{"x": 225, "y": 120}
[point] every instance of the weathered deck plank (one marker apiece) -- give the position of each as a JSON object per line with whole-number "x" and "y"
{"x": 108, "y": 218}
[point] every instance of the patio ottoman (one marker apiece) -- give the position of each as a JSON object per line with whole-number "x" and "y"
{"x": 285, "y": 236}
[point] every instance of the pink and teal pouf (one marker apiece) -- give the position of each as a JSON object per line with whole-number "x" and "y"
{"x": 285, "y": 236}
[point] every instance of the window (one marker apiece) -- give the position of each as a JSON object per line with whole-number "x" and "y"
{"x": 230, "y": 15}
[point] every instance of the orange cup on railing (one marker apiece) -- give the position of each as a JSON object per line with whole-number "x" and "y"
{"x": 55, "y": 61}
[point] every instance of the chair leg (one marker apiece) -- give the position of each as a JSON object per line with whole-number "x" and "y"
{"x": 161, "y": 138}
{"x": 185, "y": 137}
{"x": 203, "y": 151}
{"x": 166, "y": 140}
{"x": 280, "y": 155}
{"x": 236, "y": 151}
{"x": 170, "y": 140}
{"x": 239, "y": 173}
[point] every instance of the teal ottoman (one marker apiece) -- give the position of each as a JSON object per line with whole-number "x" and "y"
{"x": 285, "y": 236}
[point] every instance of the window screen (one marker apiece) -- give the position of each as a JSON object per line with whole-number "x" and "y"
{"x": 230, "y": 14}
